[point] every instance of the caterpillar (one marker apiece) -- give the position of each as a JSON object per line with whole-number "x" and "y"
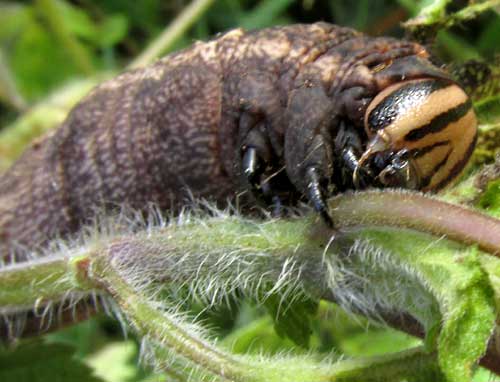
{"x": 277, "y": 115}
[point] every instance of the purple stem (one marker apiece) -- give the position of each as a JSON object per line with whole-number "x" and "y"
{"x": 417, "y": 211}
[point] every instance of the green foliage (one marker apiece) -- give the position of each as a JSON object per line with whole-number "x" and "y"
{"x": 39, "y": 362}
{"x": 116, "y": 362}
{"x": 110, "y": 30}
{"x": 490, "y": 200}
{"x": 37, "y": 61}
{"x": 488, "y": 110}
{"x": 445, "y": 286}
{"x": 292, "y": 319}
{"x": 48, "y": 42}
{"x": 463, "y": 293}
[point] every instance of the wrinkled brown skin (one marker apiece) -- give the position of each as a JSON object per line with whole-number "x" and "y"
{"x": 149, "y": 135}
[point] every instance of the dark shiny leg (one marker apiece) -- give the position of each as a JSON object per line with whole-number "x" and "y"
{"x": 348, "y": 144}
{"x": 253, "y": 167}
{"x": 316, "y": 195}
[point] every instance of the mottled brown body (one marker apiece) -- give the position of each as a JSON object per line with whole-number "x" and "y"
{"x": 149, "y": 135}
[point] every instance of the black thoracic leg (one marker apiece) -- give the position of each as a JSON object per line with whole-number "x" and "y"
{"x": 349, "y": 148}
{"x": 308, "y": 149}
{"x": 260, "y": 137}
{"x": 348, "y": 144}
{"x": 256, "y": 157}
{"x": 316, "y": 195}
{"x": 253, "y": 167}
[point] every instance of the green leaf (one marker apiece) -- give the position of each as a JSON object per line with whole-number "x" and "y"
{"x": 265, "y": 14}
{"x": 107, "y": 32}
{"x": 463, "y": 292}
{"x": 112, "y": 30}
{"x": 484, "y": 375}
{"x": 13, "y": 18}
{"x": 257, "y": 337}
{"x": 488, "y": 110}
{"x": 116, "y": 362}
{"x": 39, "y": 362}
{"x": 28, "y": 45}
{"x": 377, "y": 342}
{"x": 292, "y": 319}
{"x": 469, "y": 322}
{"x": 76, "y": 20}
{"x": 490, "y": 200}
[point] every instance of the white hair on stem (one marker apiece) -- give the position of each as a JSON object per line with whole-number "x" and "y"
{"x": 157, "y": 257}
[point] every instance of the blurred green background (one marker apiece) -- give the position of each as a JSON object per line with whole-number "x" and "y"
{"x": 47, "y": 44}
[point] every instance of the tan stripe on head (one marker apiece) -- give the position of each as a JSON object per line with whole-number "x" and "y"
{"x": 424, "y": 111}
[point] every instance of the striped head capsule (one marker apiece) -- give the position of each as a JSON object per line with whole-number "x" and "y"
{"x": 421, "y": 134}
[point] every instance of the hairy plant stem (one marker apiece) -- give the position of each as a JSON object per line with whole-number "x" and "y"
{"x": 213, "y": 256}
{"x": 44, "y": 279}
{"x": 163, "y": 329}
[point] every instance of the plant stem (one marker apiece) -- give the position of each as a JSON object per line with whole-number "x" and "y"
{"x": 472, "y": 11}
{"x": 8, "y": 88}
{"x": 419, "y": 212}
{"x": 43, "y": 116}
{"x": 434, "y": 14}
{"x": 166, "y": 330}
{"x": 175, "y": 30}
{"x": 45, "y": 279}
{"x": 163, "y": 328}
{"x": 394, "y": 367}
{"x": 213, "y": 257}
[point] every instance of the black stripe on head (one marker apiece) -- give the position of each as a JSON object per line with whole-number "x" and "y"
{"x": 440, "y": 122}
{"x": 425, "y": 181}
{"x": 421, "y": 151}
{"x": 459, "y": 165}
{"x": 401, "y": 100}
